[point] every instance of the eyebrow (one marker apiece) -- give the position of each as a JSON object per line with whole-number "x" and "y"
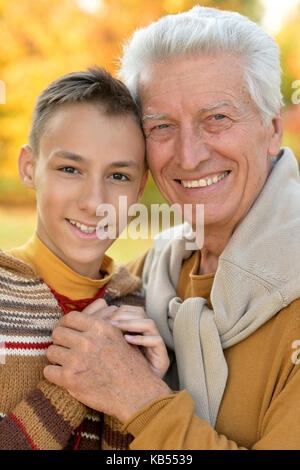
{"x": 124, "y": 164}
{"x": 202, "y": 109}
{"x": 217, "y": 105}
{"x": 68, "y": 155}
{"x": 79, "y": 158}
{"x": 154, "y": 116}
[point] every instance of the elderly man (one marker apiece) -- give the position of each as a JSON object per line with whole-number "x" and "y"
{"x": 208, "y": 83}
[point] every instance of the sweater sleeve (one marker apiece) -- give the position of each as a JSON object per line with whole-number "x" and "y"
{"x": 42, "y": 421}
{"x": 170, "y": 423}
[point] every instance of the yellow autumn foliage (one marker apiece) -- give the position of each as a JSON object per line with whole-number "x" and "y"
{"x": 42, "y": 40}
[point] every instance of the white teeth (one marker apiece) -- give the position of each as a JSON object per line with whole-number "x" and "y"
{"x": 82, "y": 227}
{"x": 203, "y": 182}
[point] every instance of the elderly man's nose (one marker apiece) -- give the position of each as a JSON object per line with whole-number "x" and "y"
{"x": 191, "y": 149}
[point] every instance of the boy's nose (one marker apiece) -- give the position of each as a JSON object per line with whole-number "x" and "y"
{"x": 91, "y": 197}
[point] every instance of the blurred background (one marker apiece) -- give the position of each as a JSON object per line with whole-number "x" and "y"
{"x": 42, "y": 40}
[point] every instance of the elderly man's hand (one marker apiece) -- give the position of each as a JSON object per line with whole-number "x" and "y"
{"x": 94, "y": 362}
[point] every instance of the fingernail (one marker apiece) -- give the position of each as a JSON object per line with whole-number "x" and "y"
{"x": 115, "y": 323}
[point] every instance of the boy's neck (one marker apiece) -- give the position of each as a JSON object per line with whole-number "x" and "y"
{"x": 89, "y": 270}
{"x": 61, "y": 277}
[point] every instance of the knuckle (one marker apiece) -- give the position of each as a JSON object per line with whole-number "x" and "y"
{"x": 98, "y": 325}
{"x": 101, "y": 303}
{"x": 110, "y": 311}
{"x": 49, "y": 352}
{"x": 83, "y": 342}
{"x": 102, "y": 327}
{"x": 56, "y": 333}
{"x": 73, "y": 315}
{"x": 151, "y": 324}
{"x": 141, "y": 312}
{"x": 70, "y": 319}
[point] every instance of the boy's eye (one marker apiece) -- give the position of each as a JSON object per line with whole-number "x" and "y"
{"x": 119, "y": 177}
{"x": 69, "y": 169}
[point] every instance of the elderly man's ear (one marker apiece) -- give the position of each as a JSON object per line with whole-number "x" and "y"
{"x": 26, "y": 164}
{"x": 276, "y": 131}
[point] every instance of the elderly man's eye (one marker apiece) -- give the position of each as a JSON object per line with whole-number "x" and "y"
{"x": 160, "y": 132}
{"x": 217, "y": 117}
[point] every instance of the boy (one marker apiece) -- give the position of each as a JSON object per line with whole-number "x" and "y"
{"x": 86, "y": 148}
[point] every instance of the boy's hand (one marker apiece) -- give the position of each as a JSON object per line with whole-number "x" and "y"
{"x": 131, "y": 319}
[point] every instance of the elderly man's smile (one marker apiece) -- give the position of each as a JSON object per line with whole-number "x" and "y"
{"x": 204, "y": 182}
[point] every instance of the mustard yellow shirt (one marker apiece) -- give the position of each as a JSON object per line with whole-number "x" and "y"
{"x": 57, "y": 274}
{"x": 260, "y": 408}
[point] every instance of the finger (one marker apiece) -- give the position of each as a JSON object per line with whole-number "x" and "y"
{"x": 57, "y": 354}
{"x": 62, "y": 320}
{"x": 145, "y": 341}
{"x": 54, "y": 374}
{"x": 105, "y": 313}
{"x": 95, "y": 306}
{"x": 145, "y": 326}
{"x": 78, "y": 321}
{"x": 138, "y": 311}
{"x": 122, "y": 316}
{"x": 65, "y": 337}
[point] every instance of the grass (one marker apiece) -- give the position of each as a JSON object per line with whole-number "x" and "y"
{"x": 18, "y": 224}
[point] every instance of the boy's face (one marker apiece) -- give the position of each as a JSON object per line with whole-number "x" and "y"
{"x": 86, "y": 159}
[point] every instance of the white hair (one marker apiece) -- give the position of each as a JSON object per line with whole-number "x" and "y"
{"x": 205, "y": 31}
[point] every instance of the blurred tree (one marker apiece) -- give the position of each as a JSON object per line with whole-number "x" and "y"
{"x": 41, "y": 40}
{"x": 288, "y": 40}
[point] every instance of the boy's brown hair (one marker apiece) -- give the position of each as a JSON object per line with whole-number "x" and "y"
{"x": 95, "y": 86}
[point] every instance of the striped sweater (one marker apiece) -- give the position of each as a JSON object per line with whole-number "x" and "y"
{"x": 34, "y": 413}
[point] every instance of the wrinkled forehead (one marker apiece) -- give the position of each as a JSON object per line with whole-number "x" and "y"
{"x": 203, "y": 81}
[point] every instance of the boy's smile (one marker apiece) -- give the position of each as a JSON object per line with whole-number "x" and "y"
{"x": 86, "y": 158}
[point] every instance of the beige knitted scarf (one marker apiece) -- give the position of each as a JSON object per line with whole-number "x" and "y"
{"x": 258, "y": 275}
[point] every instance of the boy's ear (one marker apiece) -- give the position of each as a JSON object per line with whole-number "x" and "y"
{"x": 143, "y": 184}
{"x": 26, "y": 163}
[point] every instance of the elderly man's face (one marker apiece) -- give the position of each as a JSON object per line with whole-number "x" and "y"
{"x": 206, "y": 142}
